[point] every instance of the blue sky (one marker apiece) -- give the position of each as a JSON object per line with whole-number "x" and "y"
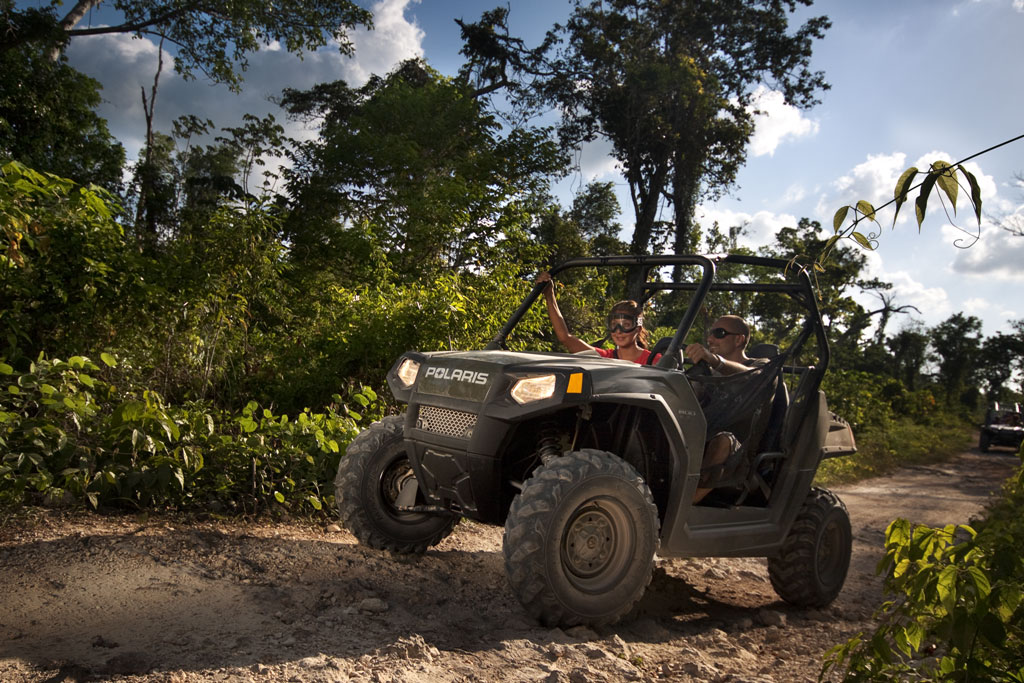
{"x": 912, "y": 81}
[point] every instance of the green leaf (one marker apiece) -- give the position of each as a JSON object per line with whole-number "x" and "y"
{"x": 315, "y": 502}
{"x": 863, "y": 241}
{"x": 975, "y": 192}
{"x": 6, "y": 369}
{"x": 278, "y": 496}
{"x": 947, "y": 181}
{"x": 946, "y": 587}
{"x": 865, "y": 208}
{"x": 921, "y": 202}
{"x": 980, "y": 580}
{"x": 902, "y": 188}
{"x": 108, "y": 359}
{"x": 839, "y": 218}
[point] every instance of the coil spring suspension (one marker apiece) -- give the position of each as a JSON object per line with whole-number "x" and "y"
{"x": 549, "y": 446}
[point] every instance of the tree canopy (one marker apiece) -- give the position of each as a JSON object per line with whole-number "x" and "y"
{"x": 668, "y": 84}
{"x": 210, "y": 36}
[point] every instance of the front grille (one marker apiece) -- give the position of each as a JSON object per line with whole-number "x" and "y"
{"x": 446, "y": 422}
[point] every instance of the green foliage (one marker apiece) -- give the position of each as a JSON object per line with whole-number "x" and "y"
{"x": 213, "y": 38}
{"x": 48, "y": 120}
{"x": 901, "y": 442}
{"x": 958, "y": 612}
{"x": 412, "y": 170}
{"x": 668, "y": 84}
{"x": 70, "y": 434}
{"x": 63, "y": 266}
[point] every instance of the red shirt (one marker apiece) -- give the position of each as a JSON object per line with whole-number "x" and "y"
{"x": 641, "y": 359}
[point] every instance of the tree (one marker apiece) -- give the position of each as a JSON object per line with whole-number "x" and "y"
{"x": 844, "y": 318}
{"x": 48, "y": 120}
{"x": 909, "y": 351}
{"x": 411, "y": 167}
{"x": 588, "y": 228}
{"x": 1001, "y": 356}
{"x": 212, "y": 36}
{"x": 669, "y": 84}
{"x": 956, "y": 343}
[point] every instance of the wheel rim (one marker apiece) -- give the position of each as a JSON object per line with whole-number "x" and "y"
{"x": 392, "y": 479}
{"x": 597, "y": 545}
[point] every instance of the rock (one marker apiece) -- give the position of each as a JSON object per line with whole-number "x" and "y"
{"x": 771, "y": 618}
{"x": 413, "y": 647}
{"x": 581, "y": 675}
{"x": 582, "y": 633}
{"x": 744, "y": 624}
{"x": 619, "y": 646}
{"x": 333, "y": 529}
{"x": 373, "y": 606}
{"x": 650, "y": 631}
{"x": 715, "y": 573}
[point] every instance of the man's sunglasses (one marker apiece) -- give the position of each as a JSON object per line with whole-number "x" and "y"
{"x": 721, "y": 333}
{"x": 622, "y": 323}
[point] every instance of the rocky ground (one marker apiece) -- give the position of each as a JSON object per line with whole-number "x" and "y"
{"x": 87, "y": 597}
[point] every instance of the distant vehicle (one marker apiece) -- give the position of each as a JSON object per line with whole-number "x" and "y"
{"x": 1004, "y": 426}
{"x": 591, "y": 463}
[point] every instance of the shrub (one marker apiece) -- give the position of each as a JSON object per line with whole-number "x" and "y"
{"x": 70, "y": 434}
{"x": 958, "y": 611}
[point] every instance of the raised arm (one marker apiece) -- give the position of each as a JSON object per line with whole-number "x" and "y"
{"x": 569, "y": 340}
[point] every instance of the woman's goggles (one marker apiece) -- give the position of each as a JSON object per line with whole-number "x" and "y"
{"x": 623, "y": 322}
{"x": 721, "y": 332}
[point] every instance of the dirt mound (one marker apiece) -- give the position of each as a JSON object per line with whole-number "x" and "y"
{"x": 89, "y": 597}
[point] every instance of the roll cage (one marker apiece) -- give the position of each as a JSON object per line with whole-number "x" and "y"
{"x": 794, "y": 281}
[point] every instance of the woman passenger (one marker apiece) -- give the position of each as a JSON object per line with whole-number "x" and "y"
{"x": 625, "y": 326}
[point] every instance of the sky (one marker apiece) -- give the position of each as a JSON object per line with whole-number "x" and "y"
{"x": 912, "y": 82}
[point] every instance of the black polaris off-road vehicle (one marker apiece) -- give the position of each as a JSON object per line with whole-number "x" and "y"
{"x": 1003, "y": 426}
{"x": 591, "y": 463}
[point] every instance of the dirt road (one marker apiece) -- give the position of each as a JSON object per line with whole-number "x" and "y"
{"x": 87, "y": 597}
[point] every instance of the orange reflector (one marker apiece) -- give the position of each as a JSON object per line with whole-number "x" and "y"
{"x": 575, "y": 383}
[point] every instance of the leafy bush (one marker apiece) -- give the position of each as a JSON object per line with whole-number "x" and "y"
{"x": 68, "y": 433}
{"x": 900, "y": 442}
{"x": 958, "y": 614}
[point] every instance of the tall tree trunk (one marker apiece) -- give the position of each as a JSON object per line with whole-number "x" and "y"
{"x": 646, "y": 197}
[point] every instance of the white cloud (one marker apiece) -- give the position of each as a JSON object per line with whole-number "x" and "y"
{"x": 392, "y": 40}
{"x": 997, "y": 253}
{"x": 872, "y": 180}
{"x": 776, "y": 122}
{"x": 933, "y": 302}
{"x": 760, "y": 228}
{"x": 124, "y": 66}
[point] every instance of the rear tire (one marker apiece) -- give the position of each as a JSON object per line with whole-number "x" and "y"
{"x": 984, "y": 442}
{"x": 370, "y": 477}
{"x": 580, "y": 540}
{"x": 811, "y": 566}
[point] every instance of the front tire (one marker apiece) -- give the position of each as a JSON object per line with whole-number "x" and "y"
{"x": 811, "y": 566}
{"x": 580, "y": 540}
{"x": 371, "y": 474}
{"x": 984, "y": 442}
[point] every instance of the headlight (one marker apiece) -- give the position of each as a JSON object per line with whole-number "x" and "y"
{"x": 407, "y": 372}
{"x": 533, "y": 389}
